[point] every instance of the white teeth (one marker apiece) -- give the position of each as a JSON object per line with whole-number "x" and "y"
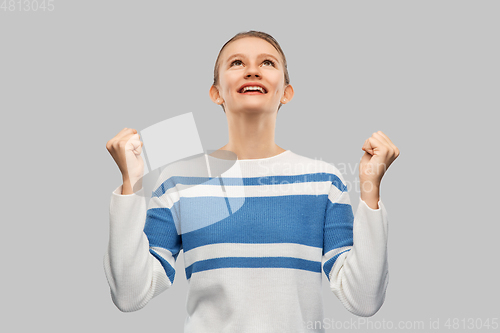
{"x": 253, "y": 88}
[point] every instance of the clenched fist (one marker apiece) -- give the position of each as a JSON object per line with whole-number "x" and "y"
{"x": 126, "y": 148}
{"x": 379, "y": 154}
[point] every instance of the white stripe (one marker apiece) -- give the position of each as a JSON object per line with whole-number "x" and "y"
{"x": 294, "y": 165}
{"x": 165, "y": 254}
{"x": 332, "y": 253}
{"x": 215, "y": 190}
{"x": 309, "y": 188}
{"x": 344, "y": 198}
{"x": 334, "y": 193}
{"x": 244, "y": 293}
{"x": 160, "y": 202}
{"x": 222, "y": 250}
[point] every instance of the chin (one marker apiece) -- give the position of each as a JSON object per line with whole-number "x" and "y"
{"x": 254, "y": 109}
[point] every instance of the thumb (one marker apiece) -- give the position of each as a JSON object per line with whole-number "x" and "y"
{"x": 138, "y": 148}
{"x": 365, "y": 158}
{"x": 134, "y": 144}
{"x": 367, "y": 147}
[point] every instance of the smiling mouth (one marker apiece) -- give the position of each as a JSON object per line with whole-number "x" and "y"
{"x": 252, "y": 90}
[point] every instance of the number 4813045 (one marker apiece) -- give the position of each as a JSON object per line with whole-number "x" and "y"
{"x": 27, "y": 5}
{"x": 471, "y": 323}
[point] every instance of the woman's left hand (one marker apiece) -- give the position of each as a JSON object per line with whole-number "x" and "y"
{"x": 380, "y": 152}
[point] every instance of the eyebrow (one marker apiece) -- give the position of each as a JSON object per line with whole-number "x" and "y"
{"x": 260, "y": 55}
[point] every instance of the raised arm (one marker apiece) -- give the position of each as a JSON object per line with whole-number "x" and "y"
{"x": 355, "y": 252}
{"x": 143, "y": 243}
{"x": 355, "y": 248}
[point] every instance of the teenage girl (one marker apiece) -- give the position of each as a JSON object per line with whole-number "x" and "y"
{"x": 251, "y": 83}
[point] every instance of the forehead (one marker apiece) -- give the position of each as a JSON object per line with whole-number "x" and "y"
{"x": 249, "y": 46}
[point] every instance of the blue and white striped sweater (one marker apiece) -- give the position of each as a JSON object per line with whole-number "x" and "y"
{"x": 256, "y": 239}
{"x": 307, "y": 219}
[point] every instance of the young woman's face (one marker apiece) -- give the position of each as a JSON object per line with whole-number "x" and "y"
{"x": 255, "y": 61}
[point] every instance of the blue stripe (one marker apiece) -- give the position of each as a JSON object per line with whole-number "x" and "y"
{"x": 161, "y": 231}
{"x": 253, "y": 262}
{"x": 327, "y": 267}
{"x": 281, "y": 219}
{"x": 200, "y": 212}
{"x": 169, "y": 270}
{"x": 164, "y": 187}
{"x": 338, "y": 227}
{"x": 250, "y": 181}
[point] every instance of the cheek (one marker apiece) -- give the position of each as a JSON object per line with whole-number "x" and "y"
{"x": 279, "y": 83}
{"x": 279, "y": 88}
{"x": 228, "y": 83}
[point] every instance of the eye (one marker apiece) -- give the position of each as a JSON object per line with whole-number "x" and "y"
{"x": 272, "y": 62}
{"x": 267, "y": 60}
{"x": 235, "y": 61}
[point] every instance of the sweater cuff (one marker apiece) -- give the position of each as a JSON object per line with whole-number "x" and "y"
{"x": 362, "y": 202}
{"x": 126, "y": 215}
{"x": 127, "y": 207}
{"x": 372, "y": 216}
{"x": 118, "y": 192}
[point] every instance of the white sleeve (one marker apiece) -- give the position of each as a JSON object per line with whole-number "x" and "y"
{"x": 355, "y": 252}
{"x": 143, "y": 246}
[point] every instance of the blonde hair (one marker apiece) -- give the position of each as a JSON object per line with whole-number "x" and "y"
{"x": 252, "y": 33}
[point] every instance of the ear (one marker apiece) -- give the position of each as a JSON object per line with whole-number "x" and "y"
{"x": 215, "y": 96}
{"x": 288, "y": 94}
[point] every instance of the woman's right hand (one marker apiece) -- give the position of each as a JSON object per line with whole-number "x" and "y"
{"x": 126, "y": 148}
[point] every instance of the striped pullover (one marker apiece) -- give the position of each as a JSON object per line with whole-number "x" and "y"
{"x": 257, "y": 236}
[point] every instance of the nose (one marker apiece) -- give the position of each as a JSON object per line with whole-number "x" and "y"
{"x": 253, "y": 70}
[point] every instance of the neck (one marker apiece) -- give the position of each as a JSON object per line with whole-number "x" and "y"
{"x": 251, "y": 135}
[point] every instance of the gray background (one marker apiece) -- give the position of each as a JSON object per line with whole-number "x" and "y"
{"x": 424, "y": 72}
